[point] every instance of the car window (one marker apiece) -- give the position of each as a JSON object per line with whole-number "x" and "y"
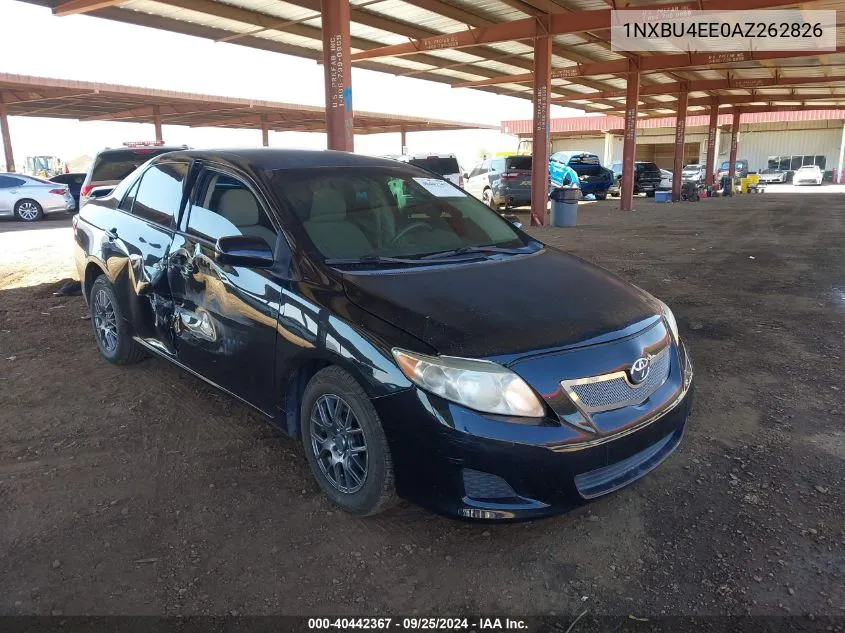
{"x": 439, "y": 165}
{"x": 118, "y": 164}
{"x": 354, "y": 212}
{"x": 129, "y": 198}
{"x": 159, "y": 196}
{"x": 584, "y": 159}
{"x": 518, "y": 162}
{"x": 7, "y": 182}
{"x": 224, "y": 206}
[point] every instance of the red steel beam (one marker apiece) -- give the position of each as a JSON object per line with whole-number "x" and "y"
{"x": 733, "y": 83}
{"x": 558, "y": 24}
{"x": 265, "y": 131}
{"x": 7, "y": 137}
{"x": 711, "y": 143}
{"x": 680, "y": 134}
{"x": 338, "y": 74}
{"x": 652, "y": 63}
{"x": 629, "y": 143}
{"x": 542, "y": 126}
{"x": 734, "y": 144}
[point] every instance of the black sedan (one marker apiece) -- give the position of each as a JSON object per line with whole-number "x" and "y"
{"x": 417, "y": 343}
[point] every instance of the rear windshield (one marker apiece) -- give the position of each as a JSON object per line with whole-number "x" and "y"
{"x": 647, "y": 167}
{"x": 117, "y": 165}
{"x": 518, "y": 162}
{"x": 437, "y": 165}
{"x": 585, "y": 159}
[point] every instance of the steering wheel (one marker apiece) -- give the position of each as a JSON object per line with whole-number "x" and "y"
{"x": 413, "y": 226}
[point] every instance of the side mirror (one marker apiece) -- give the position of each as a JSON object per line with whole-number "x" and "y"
{"x": 244, "y": 250}
{"x": 465, "y": 175}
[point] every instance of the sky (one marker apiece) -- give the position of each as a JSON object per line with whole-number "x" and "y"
{"x": 34, "y": 42}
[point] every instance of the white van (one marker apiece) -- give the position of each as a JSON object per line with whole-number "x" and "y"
{"x": 445, "y": 165}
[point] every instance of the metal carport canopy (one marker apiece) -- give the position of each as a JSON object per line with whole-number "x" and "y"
{"x": 560, "y": 46}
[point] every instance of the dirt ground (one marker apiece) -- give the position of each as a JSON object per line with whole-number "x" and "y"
{"x": 141, "y": 490}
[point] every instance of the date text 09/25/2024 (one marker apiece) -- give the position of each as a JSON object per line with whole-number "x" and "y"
{"x": 418, "y": 623}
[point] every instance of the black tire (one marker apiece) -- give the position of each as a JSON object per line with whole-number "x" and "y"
{"x": 376, "y": 491}
{"x": 601, "y": 196}
{"x": 649, "y": 194}
{"x": 27, "y": 210}
{"x": 119, "y": 348}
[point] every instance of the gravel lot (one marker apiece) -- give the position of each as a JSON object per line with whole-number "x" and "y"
{"x": 140, "y": 490}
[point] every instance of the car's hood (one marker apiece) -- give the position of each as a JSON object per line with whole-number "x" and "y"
{"x": 512, "y": 306}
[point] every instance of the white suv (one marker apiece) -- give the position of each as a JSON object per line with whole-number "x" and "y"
{"x": 808, "y": 175}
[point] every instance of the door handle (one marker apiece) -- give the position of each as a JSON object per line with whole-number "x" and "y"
{"x": 111, "y": 234}
{"x": 184, "y": 262}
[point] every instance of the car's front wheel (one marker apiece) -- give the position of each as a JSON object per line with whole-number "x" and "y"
{"x": 345, "y": 443}
{"x": 111, "y": 330}
{"x": 487, "y": 198}
{"x": 28, "y": 211}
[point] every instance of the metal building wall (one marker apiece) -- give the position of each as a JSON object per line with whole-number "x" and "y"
{"x": 757, "y": 146}
{"x": 593, "y": 145}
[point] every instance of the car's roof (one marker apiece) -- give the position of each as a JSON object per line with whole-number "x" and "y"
{"x": 155, "y": 148}
{"x": 269, "y": 159}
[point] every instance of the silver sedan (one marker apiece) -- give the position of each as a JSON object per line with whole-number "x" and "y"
{"x": 29, "y": 199}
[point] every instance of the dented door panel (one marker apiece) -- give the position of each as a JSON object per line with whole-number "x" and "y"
{"x": 224, "y": 321}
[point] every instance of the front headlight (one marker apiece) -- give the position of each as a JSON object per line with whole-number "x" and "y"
{"x": 670, "y": 321}
{"x": 477, "y": 384}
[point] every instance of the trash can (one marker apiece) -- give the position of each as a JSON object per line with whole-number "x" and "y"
{"x": 726, "y": 186}
{"x": 565, "y": 206}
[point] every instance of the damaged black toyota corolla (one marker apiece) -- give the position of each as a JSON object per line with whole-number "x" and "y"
{"x": 417, "y": 343}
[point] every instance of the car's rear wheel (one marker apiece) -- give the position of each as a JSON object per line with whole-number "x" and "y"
{"x": 28, "y": 211}
{"x": 110, "y": 328}
{"x": 601, "y": 196}
{"x": 487, "y": 198}
{"x": 345, "y": 443}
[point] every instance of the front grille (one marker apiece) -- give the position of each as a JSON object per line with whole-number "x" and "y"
{"x": 613, "y": 391}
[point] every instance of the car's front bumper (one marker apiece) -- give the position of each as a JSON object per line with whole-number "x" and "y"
{"x": 462, "y": 463}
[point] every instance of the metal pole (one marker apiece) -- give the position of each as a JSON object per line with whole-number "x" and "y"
{"x": 403, "y": 141}
{"x": 629, "y": 146}
{"x": 540, "y": 142}
{"x": 734, "y": 143}
{"x": 840, "y": 176}
{"x": 608, "y": 149}
{"x": 265, "y": 131}
{"x": 338, "y": 74}
{"x": 157, "y": 123}
{"x": 680, "y": 134}
{"x": 7, "y": 138}
{"x": 712, "y": 135}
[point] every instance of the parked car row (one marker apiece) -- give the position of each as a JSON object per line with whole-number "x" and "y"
{"x": 27, "y": 198}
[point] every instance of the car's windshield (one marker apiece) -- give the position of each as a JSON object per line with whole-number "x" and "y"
{"x": 385, "y": 212}
{"x": 739, "y": 165}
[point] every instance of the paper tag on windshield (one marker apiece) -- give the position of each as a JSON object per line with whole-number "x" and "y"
{"x": 440, "y": 188}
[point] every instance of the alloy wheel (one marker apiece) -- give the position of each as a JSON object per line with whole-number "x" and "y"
{"x": 28, "y": 211}
{"x": 339, "y": 444}
{"x": 105, "y": 321}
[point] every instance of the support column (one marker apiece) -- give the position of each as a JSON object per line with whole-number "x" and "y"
{"x": 680, "y": 135}
{"x": 840, "y": 175}
{"x": 7, "y": 138}
{"x": 540, "y": 142}
{"x": 629, "y": 147}
{"x": 734, "y": 143}
{"x": 608, "y": 149}
{"x": 338, "y": 74}
{"x": 712, "y": 142}
{"x": 403, "y": 141}
{"x": 265, "y": 131}
{"x": 157, "y": 123}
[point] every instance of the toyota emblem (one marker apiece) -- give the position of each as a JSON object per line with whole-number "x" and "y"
{"x": 639, "y": 370}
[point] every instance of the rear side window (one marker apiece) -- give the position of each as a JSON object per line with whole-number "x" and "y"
{"x": 159, "y": 195}
{"x": 518, "y": 162}
{"x": 437, "y": 165}
{"x": 7, "y": 182}
{"x": 117, "y": 165}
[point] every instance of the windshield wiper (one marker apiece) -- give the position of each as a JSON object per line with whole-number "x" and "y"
{"x": 471, "y": 250}
{"x": 368, "y": 259}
